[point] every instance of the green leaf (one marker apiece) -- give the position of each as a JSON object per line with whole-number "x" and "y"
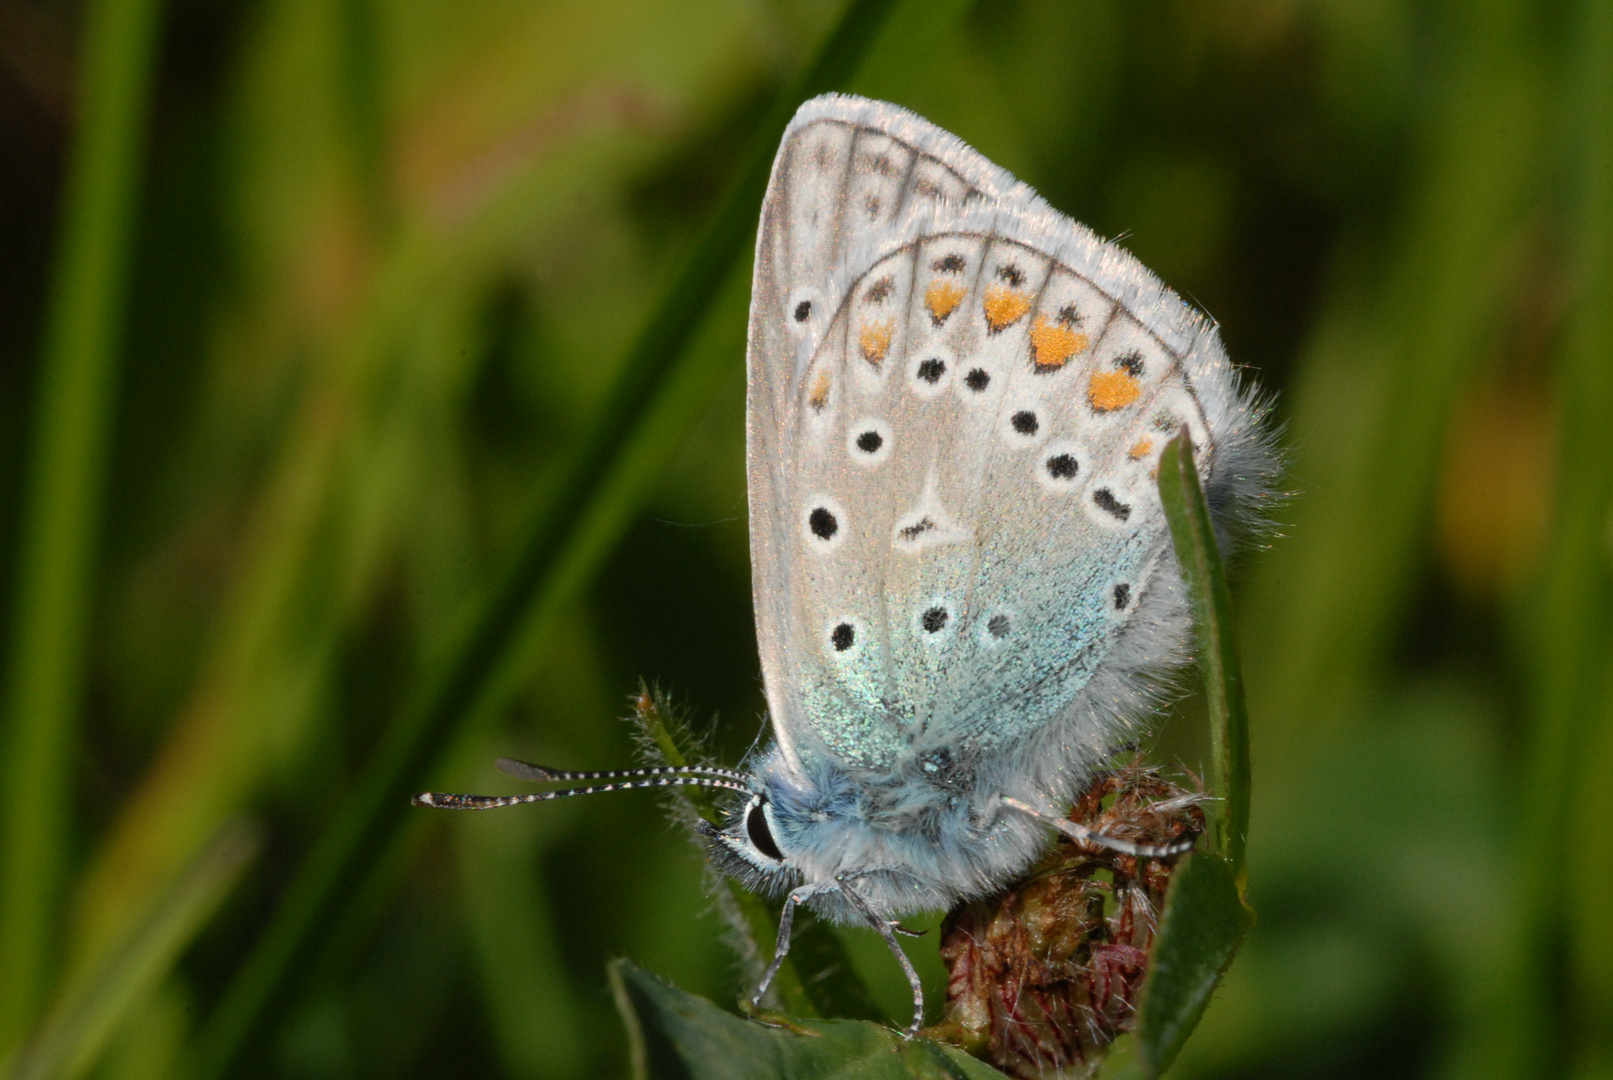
{"x": 1194, "y": 536}
{"x": 828, "y": 979}
{"x": 675, "y": 1034}
{"x": 1205, "y": 917}
{"x": 1203, "y": 925}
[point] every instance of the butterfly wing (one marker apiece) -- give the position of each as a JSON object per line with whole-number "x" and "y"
{"x": 957, "y": 402}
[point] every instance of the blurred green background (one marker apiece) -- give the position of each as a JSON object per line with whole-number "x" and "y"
{"x": 316, "y": 314}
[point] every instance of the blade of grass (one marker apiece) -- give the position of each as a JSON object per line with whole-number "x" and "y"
{"x": 61, "y": 518}
{"x": 343, "y": 854}
{"x": 1200, "y": 562}
{"x": 85, "y": 1017}
{"x": 1571, "y": 610}
{"x": 1404, "y": 335}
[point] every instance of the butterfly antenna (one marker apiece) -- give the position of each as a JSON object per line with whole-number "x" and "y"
{"x": 447, "y": 801}
{"x": 542, "y": 774}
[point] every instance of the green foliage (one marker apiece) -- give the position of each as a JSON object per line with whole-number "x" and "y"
{"x": 1193, "y": 536}
{"x": 1205, "y": 917}
{"x": 64, "y": 490}
{"x": 678, "y": 1035}
{"x": 89, "y": 1011}
{"x": 405, "y": 319}
{"x": 1204, "y": 923}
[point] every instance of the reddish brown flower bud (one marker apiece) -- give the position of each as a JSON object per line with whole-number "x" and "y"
{"x": 1046, "y": 974}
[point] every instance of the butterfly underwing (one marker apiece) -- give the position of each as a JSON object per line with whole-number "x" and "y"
{"x": 964, "y": 587}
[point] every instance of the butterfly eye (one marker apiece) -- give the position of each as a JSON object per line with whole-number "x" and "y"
{"x": 803, "y": 311}
{"x": 761, "y": 837}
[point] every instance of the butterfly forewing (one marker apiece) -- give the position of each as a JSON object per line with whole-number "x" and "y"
{"x": 960, "y": 437}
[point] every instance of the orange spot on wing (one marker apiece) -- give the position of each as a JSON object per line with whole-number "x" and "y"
{"x": 820, "y": 391}
{"x": 1004, "y": 306}
{"x": 1112, "y": 390}
{"x": 874, "y": 338}
{"x": 942, "y": 297}
{"x": 1140, "y": 451}
{"x": 1053, "y": 345}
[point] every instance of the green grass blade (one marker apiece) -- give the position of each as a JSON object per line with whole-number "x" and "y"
{"x": 401, "y": 765}
{"x": 1570, "y": 613}
{"x": 85, "y": 1017}
{"x": 1402, "y": 336}
{"x": 49, "y": 624}
{"x": 1200, "y": 562}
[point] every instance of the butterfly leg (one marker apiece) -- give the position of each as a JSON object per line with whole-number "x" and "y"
{"x": 1081, "y": 834}
{"x": 782, "y": 948}
{"x": 886, "y": 928}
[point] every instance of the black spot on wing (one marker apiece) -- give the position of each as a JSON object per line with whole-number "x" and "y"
{"x": 1105, "y": 500}
{"x": 917, "y": 529}
{"x": 1062, "y": 466}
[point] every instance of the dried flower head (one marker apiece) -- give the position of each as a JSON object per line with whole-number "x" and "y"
{"x": 1046, "y": 974}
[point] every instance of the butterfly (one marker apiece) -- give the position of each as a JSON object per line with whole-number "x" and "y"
{"x": 964, "y": 586}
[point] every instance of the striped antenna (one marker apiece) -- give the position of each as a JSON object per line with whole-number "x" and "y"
{"x": 445, "y": 801}
{"x": 542, "y": 774}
